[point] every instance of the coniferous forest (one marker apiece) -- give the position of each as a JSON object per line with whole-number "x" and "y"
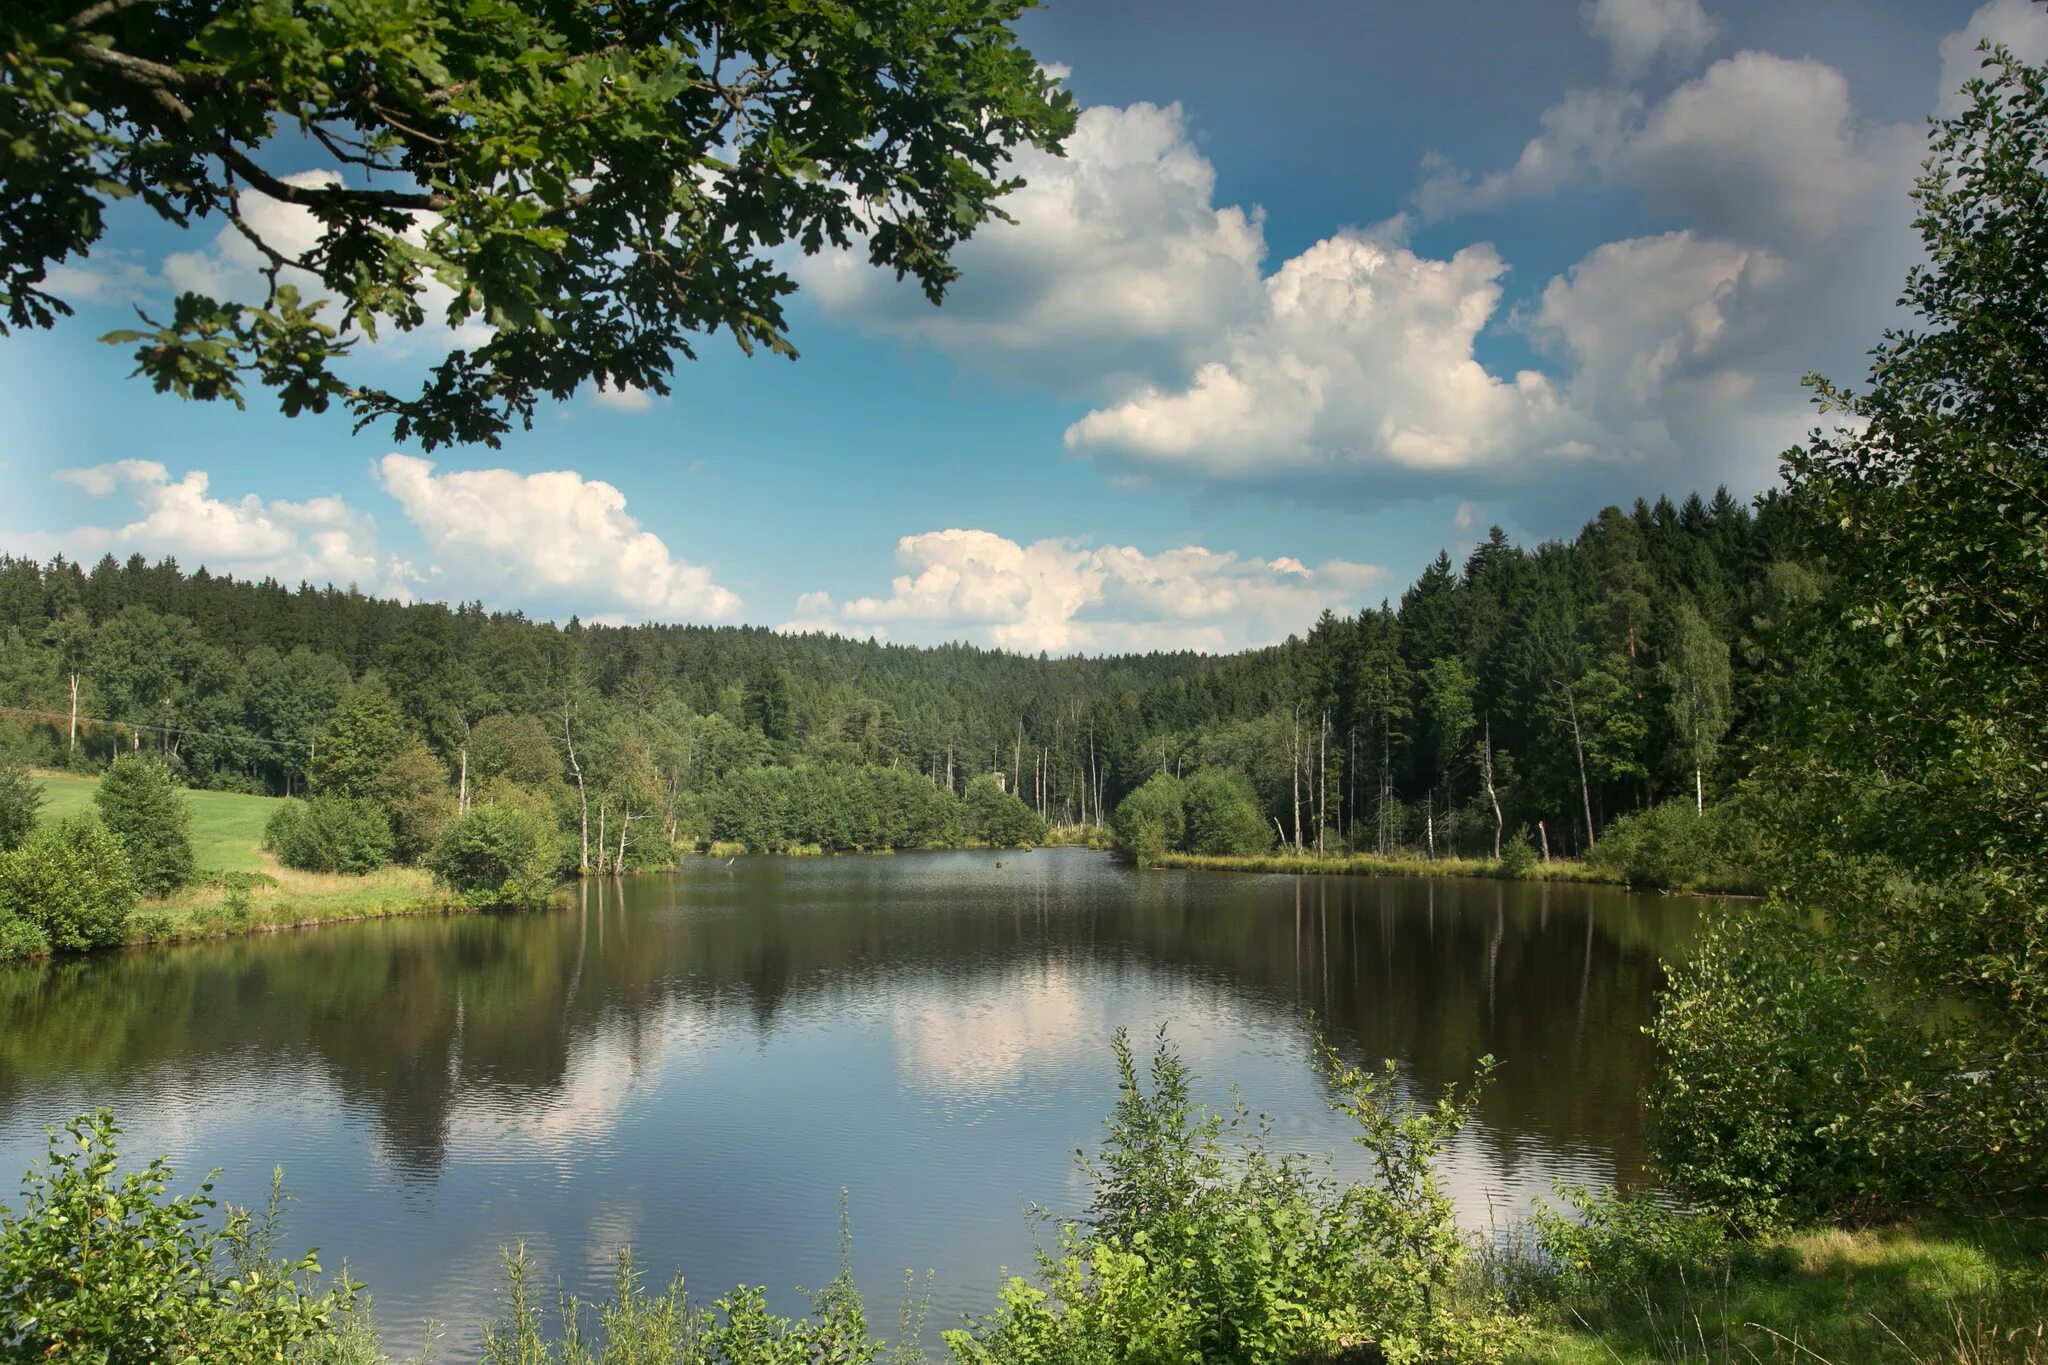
{"x": 1547, "y": 690}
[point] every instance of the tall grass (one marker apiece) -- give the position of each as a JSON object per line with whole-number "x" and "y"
{"x": 1372, "y": 865}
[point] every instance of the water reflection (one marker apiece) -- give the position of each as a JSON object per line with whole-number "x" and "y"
{"x": 698, "y": 1064}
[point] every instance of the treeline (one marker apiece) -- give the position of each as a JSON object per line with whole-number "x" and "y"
{"x": 1552, "y": 689}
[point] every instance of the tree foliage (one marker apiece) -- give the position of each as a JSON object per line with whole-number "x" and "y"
{"x": 997, "y": 817}
{"x": 1889, "y": 1014}
{"x": 596, "y": 189}
{"x": 142, "y": 806}
{"x": 1224, "y": 817}
{"x": 21, "y": 804}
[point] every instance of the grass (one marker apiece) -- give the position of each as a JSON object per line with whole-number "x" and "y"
{"x": 1975, "y": 1295}
{"x": 1371, "y": 865}
{"x": 243, "y": 889}
{"x": 227, "y": 827}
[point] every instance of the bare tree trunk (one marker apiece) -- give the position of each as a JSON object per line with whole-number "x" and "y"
{"x": 73, "y": 747}
{"x": 1429, "y": 820}
{"x": 1323, "y": 784}
{"x": 1491, "y": 794}
{"x": 1386, "y": 780}
{"x": 1544, "y": 835}
{"x": 625, "y": 823}
{"x": 462, "y": 786}
{"x": 1094, "y": 775}
{"x": 1699, "y": 790}
{"x": 1296, "y": 755}
{"x": 582, "y": 797}
{"x": 1585, "y": 791}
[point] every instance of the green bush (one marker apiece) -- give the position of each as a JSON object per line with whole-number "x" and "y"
{"x": 1605, "y": 1246}
{"x": 145, "y": 809}
{"x": 21, "y": 938}
{"x": 1224, "y": 817}
{"x": 21, "y": 804}
{"x": 1676, "y": 847}
{"x": 103, "y": 1267}
{"x": 1792, "y": 1091}
{"x": 1206, "y": 1246}
{"x": 71, "y": 882}
{"x": 499, "y": 857}
{"x": 330, "y": 834}
{"x": 1517, "y": 857}
{"x": 1152, "y": 820}
{"x": 1000, "y": 818}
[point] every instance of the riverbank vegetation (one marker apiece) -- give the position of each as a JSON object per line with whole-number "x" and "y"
{"x": 1204, "y": 1240}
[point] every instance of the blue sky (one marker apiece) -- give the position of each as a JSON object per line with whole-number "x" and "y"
{"x": 1318, "y": 290}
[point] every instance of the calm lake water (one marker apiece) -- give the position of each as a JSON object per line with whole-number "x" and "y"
{"x": 698, "y": 1064}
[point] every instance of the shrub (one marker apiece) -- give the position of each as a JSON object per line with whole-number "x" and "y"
{"x": 1676, "y": 847}
{"x": 1606, "y": 1246}
{"x": 330, "y": 834}
{"x": 160, "y": 1288}
{"x": 21, "y": 938}
{"x": 499, "y": 857}
{"x": 1204, "y": 1245}
{"x": 1517, "y": 858}
{"x": 1152, "y": 819}
{"x": 71, "y": 882}
{"x": 1224, "y": 817}
{"x": 1790, "y": 1091}
{"x": 144, "y": 808}
{"x": 1000, "y": 818}
{"x": 21, "y": 804}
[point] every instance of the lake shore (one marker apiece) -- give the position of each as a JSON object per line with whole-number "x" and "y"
{"x": 1372, "y": 865}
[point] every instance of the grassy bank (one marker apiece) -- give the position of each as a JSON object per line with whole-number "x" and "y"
{"x": 1974, "y": 1295}
{"x": 1371, "y": 865}
{"x": 243, "y": 889}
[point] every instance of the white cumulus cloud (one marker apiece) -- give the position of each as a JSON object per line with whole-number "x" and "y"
{"x": 1063, "y": 596}
{"x": 1362, "y": 358}
{"x": 1641, "y": 33}
{"x": 321, "y": 540}
{"x": 1118, "y": 261}
{"x": 556, "y": 536}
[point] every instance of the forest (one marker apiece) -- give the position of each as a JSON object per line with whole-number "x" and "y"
{"x": 1546, "y": 690}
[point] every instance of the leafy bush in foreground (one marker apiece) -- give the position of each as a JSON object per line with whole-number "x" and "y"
{"x": 159, "y": 1288}
{"x": 330, "y": 834}
{"x": 499, "y": 857}
{"x": 68, "y": 886}
{"x": 1790, "y": 1092}
{"x": 1204, "y": 1245}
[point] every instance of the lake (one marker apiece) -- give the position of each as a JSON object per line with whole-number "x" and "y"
{"x": 699, "y": 1064}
